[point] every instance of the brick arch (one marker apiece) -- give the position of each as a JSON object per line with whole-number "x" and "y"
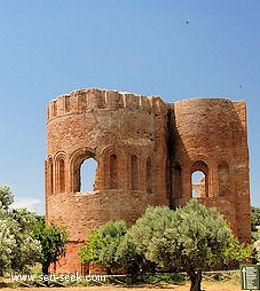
{"x": 60, "y": 172}
{"x": 113, "y": 165}
{"x": 113, "y": 171}
{"x": 134, "y": 173}
{"x": 76, "y": 160}
{"x": 200, "y": 165}
{"x": 136, "y": 170}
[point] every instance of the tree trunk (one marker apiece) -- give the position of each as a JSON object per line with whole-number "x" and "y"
{"x": 45, "y": 273}
{"x": 196, "y": 279}
{"x": 45, "y": 268}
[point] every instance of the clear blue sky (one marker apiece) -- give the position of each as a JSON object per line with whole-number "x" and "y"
{"x": 142, "y": 46}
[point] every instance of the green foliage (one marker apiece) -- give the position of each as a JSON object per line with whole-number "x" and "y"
{"x": 128, "y": 257}
{"x": 18, "y": 248}
{"x": 134, "y": 252}
{"x": 257, "y": 251}
{"x": 112, "y": 234}
{"x": 202, "y": 236}
{"x": 255, "y": 227}
{"x": 28, "y": 249}
{"x": 7, "y": 243}
{"x": 255, "y": 218}
{"x": 25, "y": 239}
{"x": 257, "y": 247}
{"x": 90, "y": 251}
{"x": 171, "y": 238}
{"x": 102, "y": 245}
{"x": 6, "y": 197}
{"x": 53, "y": 240}
{"x": 237, "y": 251}
{"x": 193, "y": 238}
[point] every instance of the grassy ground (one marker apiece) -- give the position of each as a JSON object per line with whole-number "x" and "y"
{"x": 208, "y": 286}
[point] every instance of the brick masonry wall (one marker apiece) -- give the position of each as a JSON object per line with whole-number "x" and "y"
{"x": 212, "y": 132}
{"x": 149, "y": 150}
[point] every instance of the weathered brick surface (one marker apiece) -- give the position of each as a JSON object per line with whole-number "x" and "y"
{"x": 146, "y": 152}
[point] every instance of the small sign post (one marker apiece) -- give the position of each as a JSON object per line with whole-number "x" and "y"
{"x": 250, "y": 277}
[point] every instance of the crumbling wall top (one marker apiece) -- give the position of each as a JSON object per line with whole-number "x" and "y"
{"x": 100, "y": 99}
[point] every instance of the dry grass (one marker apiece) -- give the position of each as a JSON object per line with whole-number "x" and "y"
{"x": 207, "y": 286}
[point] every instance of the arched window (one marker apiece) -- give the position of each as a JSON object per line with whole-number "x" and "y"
{"x": 199, "y": 179}
{"x": 134, "y": 172}
{"x": 149, "y": 175}
{"x": 113, "y": 172}
{"x": 223, "y": 176}
{"x": 198, "y": 184}
{"x": 87, "y": 175}
{"x": 177, "y": 181}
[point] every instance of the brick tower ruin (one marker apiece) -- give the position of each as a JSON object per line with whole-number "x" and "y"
{"x": 146, "y": 152}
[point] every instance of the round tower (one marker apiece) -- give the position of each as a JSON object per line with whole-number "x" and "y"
{"x": 124, "y": 134}
{"x": 210, "y": 136}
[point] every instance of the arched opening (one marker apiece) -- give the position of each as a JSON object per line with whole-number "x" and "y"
{"x": 177, "y": 181}
{"x": 223, "y": 175}
{"x": 149, "y": 175}
{"x": 198, "y": 184}
{"x": 113, "y": 172}
{"x": 134, "y": 172}
{"x": 199, "y": 179}
{"x": 87, "y": 175}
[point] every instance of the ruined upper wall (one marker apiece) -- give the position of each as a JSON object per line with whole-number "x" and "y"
{"x": 210, "y": 125}
{"x": 92, "y": 99}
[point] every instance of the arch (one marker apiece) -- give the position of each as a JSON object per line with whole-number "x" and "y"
{"x": 60, "y": 172}
{"x": 198, "y": 184}
{"x": 199, "y": 179}
{"x": 113, "y": 171}
{"x": 177, "y": 180}
{"x": 88, "y": 169}
{"x": 223, "y": 177}
{"x": 149, "y": 175}
{"x": 113, "y": 168}
{"x": 77, "y": 159}
{"x": 134, "y": 173}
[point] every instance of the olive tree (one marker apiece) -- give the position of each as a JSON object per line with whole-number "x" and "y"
{"x": 19, "y": 250}
{"x": 53, "y": 240}
{"x": 102, "y": 245}
{"x": 192, "y": 238}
